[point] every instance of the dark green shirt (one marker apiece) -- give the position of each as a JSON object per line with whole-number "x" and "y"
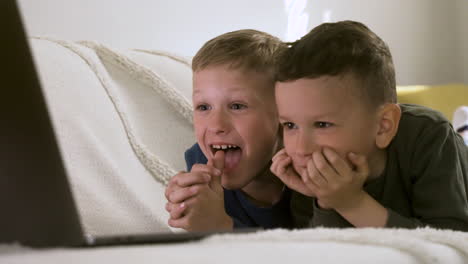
{"x": 425, "y": 182}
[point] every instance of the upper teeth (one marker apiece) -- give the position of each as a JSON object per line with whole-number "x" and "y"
{"x": 223, "y": 146}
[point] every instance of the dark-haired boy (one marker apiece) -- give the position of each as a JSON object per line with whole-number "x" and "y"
{"x": 336, "y": 97}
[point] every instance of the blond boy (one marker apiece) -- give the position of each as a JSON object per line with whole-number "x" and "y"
{"x": 228, "y": 183}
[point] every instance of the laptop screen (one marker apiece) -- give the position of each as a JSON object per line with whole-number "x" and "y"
{"x": 35, "y": 200}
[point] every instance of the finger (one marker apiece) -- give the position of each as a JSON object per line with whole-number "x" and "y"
{"x": 339, "y": 164}
{"x": 280, "y": 154}
{"x": 181, "y": 222}
{"x": 206, "y": 168}
{"x": 218, "y": 163}
{"x": 218, "y": 160}
{"x": 193, "y": 178}
{"x": 313, "y": 178}
{"x": 168, "y": 191}
{"x": 279, "y": 168}
{"x": 172, "y": 185}
{"x": 360, "y": 163}
{"x": 185, "y": 193}
{"x": 285, "y": 172}
{"x": 177, "y": 210}
{"x": 324, "y": 168}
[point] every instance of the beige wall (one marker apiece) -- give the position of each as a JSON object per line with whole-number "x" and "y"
{"x": 428, "y": 38}
{"x": 462, "y": 7}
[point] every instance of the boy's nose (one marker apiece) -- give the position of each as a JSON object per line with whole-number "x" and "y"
{"x": 219, "y": 122}
{"x": 305, "y": 145}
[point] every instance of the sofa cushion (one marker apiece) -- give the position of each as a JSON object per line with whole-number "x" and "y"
{"x": 444, "y": 98}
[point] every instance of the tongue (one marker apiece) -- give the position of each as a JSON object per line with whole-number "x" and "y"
{"x": 232, "y": 158}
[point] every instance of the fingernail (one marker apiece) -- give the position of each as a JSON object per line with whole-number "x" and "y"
{"x": 182, "y": 205}
{"x": 217, "y": 172}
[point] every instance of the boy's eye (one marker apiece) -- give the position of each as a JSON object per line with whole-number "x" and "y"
{"x": 237, "y": 106}
{"x": 202, "y": 107}
{"x": 288, "y": 125}
{"x": 323, "y": 124}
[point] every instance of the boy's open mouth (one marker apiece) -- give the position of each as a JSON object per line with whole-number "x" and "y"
{"x": 232, "y": 157}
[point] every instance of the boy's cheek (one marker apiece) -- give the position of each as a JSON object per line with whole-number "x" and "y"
{"x": 288, "y": 146}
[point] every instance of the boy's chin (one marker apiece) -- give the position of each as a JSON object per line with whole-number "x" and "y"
{"x": 232, "y": 184}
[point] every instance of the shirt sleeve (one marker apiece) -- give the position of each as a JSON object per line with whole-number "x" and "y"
{"x": 327, "y": 218}
{"x": 438, "y": 172}
{"x": 302, "y": 209}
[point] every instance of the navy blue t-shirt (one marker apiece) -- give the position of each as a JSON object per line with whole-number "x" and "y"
{"x": 243, "y": 212}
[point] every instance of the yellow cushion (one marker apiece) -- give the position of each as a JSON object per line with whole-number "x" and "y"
{"x": 444, "y": 98}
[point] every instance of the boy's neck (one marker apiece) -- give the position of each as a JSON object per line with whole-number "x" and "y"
{"x": 265, "y": 190}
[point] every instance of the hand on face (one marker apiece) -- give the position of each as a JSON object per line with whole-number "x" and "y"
{"x": 335, "y": 183}
{"x": 283, "y": 169}
{"x": 196, "y": 198}
{"x": 328, "y": 177}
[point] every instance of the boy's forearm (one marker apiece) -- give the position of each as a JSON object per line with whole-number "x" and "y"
{"x": 366, "y": 212}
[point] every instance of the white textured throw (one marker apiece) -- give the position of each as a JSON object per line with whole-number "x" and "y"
{"x": 320, "y": 245}
{"x": 123, "y": 121}
{"x": 416, "y": 242}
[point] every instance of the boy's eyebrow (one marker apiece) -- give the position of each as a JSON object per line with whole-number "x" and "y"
{"x": 316, "y": 117}
{"x": 234, "y": 90}
{"x": 194, "y": 92}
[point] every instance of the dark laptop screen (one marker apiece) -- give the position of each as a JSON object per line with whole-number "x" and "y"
{"x": 35, "y": 201}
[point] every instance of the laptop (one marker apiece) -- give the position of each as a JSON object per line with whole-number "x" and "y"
{"x": 36, "y": 204}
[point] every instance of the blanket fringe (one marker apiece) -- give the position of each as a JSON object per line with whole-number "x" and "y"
{"x": 160, "y": 170}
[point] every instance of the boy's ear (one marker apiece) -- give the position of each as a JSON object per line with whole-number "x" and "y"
{"x": 389, "y": 119}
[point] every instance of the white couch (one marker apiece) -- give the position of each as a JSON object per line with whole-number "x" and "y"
{"x": 123, "y": 121}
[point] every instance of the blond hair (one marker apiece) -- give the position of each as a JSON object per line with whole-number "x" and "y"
{"x": 245, "y": 49}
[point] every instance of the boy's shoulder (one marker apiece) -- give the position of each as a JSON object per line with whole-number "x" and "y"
{"x": 422, "y": 128}
{"x": 417, "y": 119}
{"x": 419, "y": 123}
{"x": 422, "y": 114}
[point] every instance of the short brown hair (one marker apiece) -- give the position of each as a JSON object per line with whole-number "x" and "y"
{"x": 245, "y": 49}
{"x": 340, "y": 48}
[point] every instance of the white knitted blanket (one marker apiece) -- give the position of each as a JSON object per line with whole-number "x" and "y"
{"x": 320, "y": 245}
{"x": 418, "y": 243}
{"x": 123, "y": 120}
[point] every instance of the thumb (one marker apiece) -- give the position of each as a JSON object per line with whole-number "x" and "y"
{"x": 218, "y": 163}
{"x": 360, "y": 164}
{"x": 218, "y": 160}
